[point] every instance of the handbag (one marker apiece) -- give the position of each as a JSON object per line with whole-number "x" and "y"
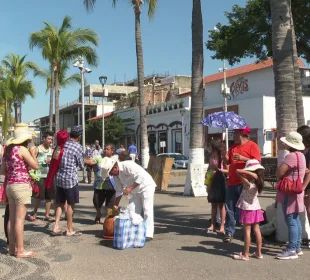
{"x": 289, "y": 187}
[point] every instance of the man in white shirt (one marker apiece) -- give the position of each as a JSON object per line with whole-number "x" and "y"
{"x": 131, "y": 179}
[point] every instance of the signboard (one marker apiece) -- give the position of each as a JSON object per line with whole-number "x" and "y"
{"x": 106, "y": 92}
{"x": 163, "y": 144}
{"x": 270, "y": 135}
{"x": 197, "y": 175}
{"x": 240, "y": 86}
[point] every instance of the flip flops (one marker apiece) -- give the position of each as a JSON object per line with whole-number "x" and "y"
{"x": 32, "y": 218}
{"x": 59, "y": 233}
{"x": 48, "y": 219}
{"x": 26, "y": 254}
{"x": 240, "y": 257}
{"x": 74, "y": 233}
{"x": 256, "y": 257}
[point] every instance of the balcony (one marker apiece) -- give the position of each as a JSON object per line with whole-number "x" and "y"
{"x": 165, "y": 106}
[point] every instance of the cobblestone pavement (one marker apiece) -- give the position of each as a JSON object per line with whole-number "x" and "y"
{"x": 181, "y": 249}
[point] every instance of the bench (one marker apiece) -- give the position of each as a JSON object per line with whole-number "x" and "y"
{"x": 270, "y": 164}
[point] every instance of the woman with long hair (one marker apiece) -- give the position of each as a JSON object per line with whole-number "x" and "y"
{"x": 17, "y": 161}
{"x": 216, "y": 188}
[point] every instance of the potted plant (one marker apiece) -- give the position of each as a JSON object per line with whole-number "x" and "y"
{"x": 181, "y": 104}
{"x": 165, "y": 106}
{"x": 175, "y": 105}
{"x": 170, "y": 106}
{"x": 151, "y": 110}
{"x": 159, "y": 108}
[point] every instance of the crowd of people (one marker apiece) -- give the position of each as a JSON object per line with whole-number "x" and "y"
{"x": 51, "y": 174}
{"x": 235, "y": 178}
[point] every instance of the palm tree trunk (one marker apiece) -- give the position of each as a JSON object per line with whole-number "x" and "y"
{"x": 140, "y": 66}
{"x": 15, "y": 112}
{"x": 196, "y": 153}
{"x": 283, "y": 68}
{"x": 56, "y": 101}
{"x": 298, "y": 87}
{"x": 50, "y": 127}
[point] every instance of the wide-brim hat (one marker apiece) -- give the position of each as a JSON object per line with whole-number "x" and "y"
{"x": 252, "y": 165}
{"x": 21, "y": 134}
{"x": 107, "y": 164}
{"x": 294, "y": 140}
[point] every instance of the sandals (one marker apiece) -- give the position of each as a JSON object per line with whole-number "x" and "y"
{"x": 74, "y": 233}
{"x": 59, "y": 233}
{"x": 256, "y": 257}
{"x": 26, "y": 254}
{"x": 32, "y": 217}
{"x": 240, "y": 257}
{"x": 97, "y": 220}
{"x": 49, "y": 219}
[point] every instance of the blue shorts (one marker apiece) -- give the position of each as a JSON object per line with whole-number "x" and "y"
{"x": 70, "y": 195}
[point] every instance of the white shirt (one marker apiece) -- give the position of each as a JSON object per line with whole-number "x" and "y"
{"x": 130, "y": 173}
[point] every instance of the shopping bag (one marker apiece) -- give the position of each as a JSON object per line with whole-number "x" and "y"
{"x": 3, "y": 197}
{"x": 128, "y": 235}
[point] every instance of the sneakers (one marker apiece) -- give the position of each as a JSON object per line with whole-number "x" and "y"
{"x": 287, "y": 255}
{"x": 299, "y": 252}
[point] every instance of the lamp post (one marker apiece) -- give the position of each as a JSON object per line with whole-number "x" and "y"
{"x": 103, "y": 80}
{"x": 182, "y": 112}
{"x": 225, "y": 92}
{"x": 80, "y": 64}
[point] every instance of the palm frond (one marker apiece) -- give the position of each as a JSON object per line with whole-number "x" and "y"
{"x": 89, "y": 4}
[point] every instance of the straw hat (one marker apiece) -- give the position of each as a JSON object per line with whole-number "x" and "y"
{"x": 252, "y": 165}
{"x": 293, "y": 140}
{"x": 21, "y": 134}
{"x": 107, "y": 164}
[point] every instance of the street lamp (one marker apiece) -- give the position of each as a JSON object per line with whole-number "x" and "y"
{"x": 80, "y": 64}
{"x": 103, "y": 80}
{"x": 182, "y": 112}
{"x": 225, "y": 91}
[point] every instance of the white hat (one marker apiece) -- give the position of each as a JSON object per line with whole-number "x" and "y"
{"x": 252, "y": 165}
{"x": 107, "y": 164}
{"x": 21, "y": 134}
{"x": 293, "y": 140}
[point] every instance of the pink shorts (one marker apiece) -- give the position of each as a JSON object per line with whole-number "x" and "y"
{"x": 250, "y": 217}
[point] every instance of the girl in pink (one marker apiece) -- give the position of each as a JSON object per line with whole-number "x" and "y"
{"x": 252, "y": 177}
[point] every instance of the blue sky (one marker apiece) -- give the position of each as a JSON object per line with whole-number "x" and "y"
{"x": 166, "y": 39}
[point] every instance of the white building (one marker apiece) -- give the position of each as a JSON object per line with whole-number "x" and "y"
{"x": 252, "y": 97}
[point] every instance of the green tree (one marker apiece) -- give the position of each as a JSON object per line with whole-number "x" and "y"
{"x": 196, "y": 154}
{"x": 62, "y": 46}
{"x": 16, "y": 87}
{"x": 113, "y": 129}
{"x": 140, "y": 68}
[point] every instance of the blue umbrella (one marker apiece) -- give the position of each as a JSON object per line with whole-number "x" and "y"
{"x": 224, "y": 120}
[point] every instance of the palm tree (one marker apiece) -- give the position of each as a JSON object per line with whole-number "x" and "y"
{"x": 140, "y": 69}
{"x": 16, "y": 70}
{"x": 64, "y": 79}
{"x": 283, "y": 67}
{"x": 60, "y": 47}
{"x": 196, "y": 154}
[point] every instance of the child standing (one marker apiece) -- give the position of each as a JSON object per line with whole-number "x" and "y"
{"x": 252, "y": 177}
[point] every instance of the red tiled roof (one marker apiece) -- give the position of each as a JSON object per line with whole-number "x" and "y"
{"x": 243, "y": 69}
{"x": 100, "y": 116}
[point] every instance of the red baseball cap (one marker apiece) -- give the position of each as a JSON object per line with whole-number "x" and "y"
{"x": 245, "y": 130}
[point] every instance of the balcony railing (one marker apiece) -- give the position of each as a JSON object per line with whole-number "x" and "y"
{"x": 86, "y": 102}
{"x": 165, "y": 106}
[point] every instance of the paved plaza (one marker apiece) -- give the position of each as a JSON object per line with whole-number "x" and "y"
{"x": 181, "y": 248}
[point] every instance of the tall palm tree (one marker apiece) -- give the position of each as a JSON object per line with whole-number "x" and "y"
{"x": 196, "y": 154}
{"x": 16, "y": 70}
{"x": 62, "y": 46}
{"x": 140, "y": 68}
{"x": 283, "y": 67}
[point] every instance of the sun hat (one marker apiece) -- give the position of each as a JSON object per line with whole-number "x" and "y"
{"x": 21, "y": 134}
{"x": 252, "y": 165}
{"x": 245, "y": 130}
{"x": 293, "y": 140}
{"x": 107, "y": 164}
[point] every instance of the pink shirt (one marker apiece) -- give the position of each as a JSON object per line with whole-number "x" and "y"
{"x": 17, "y": 169}
{"x": 248, "y": 199}
{"x": 295, "y": 202}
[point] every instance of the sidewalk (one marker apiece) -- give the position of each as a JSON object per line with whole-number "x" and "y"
{"x": 180, "y": 250}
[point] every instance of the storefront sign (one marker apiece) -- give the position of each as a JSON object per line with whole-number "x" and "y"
{"x": 238, "y": 87}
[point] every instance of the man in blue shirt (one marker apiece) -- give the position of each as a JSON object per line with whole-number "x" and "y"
{"x": 132, "y": 149}
{"x": 66, "y": 180}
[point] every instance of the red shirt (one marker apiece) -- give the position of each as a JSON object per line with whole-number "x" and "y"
{"x": 249, "y": 150}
